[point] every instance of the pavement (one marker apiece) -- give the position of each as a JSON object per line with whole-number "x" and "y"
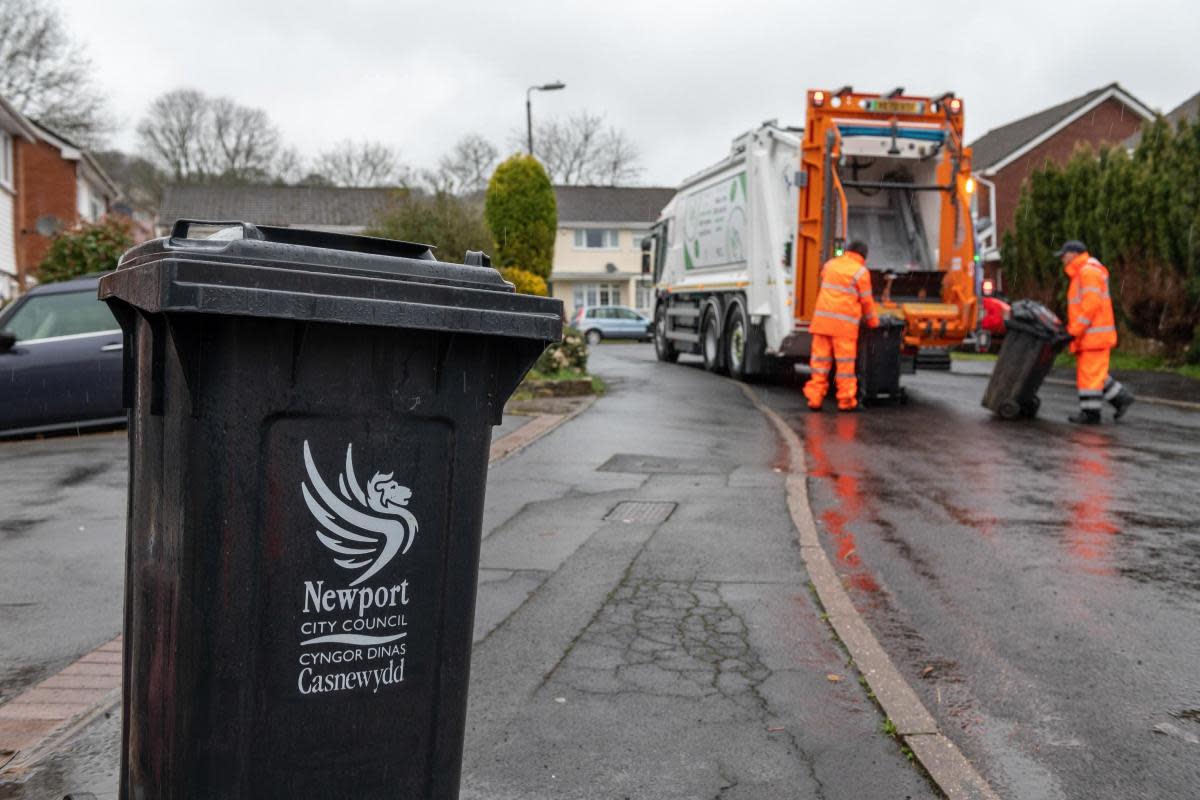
{"x": 644, "y": 625}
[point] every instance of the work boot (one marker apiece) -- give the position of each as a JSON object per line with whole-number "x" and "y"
{"x": 1122, "y": 402}
{"x": 816, "y": 408}
{"x": 848, "y": 409}
{"x": 1085, "y": 417}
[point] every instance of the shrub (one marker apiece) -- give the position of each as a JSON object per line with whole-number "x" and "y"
{"x": 571, "y": 354}
{"x": 522, "y": 215}
{"x": 90, "y": 247}
{"x": 525, "y": 281}
{"x": 452, "y": 224}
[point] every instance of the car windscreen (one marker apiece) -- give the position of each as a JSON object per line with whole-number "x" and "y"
{"x": 45, "y": 316}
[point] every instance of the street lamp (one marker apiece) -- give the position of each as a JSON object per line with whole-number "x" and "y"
{"x": 548, "y": 87}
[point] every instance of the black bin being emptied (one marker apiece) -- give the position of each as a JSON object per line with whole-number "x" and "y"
{"x": 1033, "y": 337}
{"x": 879, "y": 357}
{"x": 309, "y": 442}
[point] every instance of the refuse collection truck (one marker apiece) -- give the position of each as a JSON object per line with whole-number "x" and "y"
{"x": 736, "y": 254}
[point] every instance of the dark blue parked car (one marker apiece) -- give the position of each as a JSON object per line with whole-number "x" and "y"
{"x": 60, "y": 360}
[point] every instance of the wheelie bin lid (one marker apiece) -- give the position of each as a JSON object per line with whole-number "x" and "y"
{"x": 1035, "y": 318}
{"x": 243, "y": 269}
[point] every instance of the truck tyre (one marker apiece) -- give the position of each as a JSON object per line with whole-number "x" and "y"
{"x": 710, "y": 342}
{"x": 737, "y": 341}
{"x": 664, "y": 348}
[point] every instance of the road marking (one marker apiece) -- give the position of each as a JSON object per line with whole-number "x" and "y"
{"x": 40, "y": 719}
{"x": 944, "y": 762}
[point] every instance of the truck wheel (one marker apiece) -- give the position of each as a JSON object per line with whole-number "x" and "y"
{"x": 664, "y": 348}
{"x": 736, "y": 342}
{"x": 710, "y": 342}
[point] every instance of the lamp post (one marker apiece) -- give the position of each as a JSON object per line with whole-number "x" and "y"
{"x": 548, "y": 87}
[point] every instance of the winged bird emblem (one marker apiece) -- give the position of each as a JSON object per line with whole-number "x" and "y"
{"x": 364, "y": 525}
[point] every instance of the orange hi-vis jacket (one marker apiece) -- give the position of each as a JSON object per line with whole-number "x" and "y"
{"x": 1089, "y": 306}
{"x": 845, "y": 298}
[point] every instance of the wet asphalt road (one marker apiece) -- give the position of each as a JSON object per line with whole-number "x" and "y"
{"x": 62, "y": 552}
{"x": 1039, "y": 584}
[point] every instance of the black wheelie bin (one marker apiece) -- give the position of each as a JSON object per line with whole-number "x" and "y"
{"x": 309, "y": 435}
{"x": 879, "y": 361}
{"x": 1034, "y": 336}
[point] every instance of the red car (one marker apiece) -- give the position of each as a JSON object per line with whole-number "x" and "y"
{"x": 992, "y": 323}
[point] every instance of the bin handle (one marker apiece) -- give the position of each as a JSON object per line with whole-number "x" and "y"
{"x": 182, "y": 227}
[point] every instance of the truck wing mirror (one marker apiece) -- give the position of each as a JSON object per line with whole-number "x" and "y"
{"x": 7, "y": 341}
{"x": 646, "y": 243}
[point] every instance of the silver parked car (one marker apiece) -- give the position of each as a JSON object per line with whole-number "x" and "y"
{"x": 611, "y": 322}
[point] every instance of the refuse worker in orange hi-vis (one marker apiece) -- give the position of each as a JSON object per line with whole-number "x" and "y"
{"x": 1090, "y": 321}
{"x": 843, "y": 302}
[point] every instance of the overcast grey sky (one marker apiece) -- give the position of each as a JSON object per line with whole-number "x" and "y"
{"x": 681, "y": 78}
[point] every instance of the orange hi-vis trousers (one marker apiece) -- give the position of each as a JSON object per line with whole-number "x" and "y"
{"x": 1092, "y": 378}
{"x": 826, "y": 352}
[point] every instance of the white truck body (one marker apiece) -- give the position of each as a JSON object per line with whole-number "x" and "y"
{"x": 731, "y": 227}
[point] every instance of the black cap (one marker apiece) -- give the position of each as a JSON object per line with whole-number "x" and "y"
{"x": 857, "y": 246}
{"x": 1072, "y": 246}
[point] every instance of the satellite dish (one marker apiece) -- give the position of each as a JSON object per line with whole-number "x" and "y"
{"x": 610, "y": 267}
{"x": 48, "y": 225}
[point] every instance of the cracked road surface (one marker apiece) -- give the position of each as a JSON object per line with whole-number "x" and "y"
{"x": 675, "y": 659}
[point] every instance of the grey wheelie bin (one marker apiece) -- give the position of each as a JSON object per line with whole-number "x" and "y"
{"x": 309, "y": 435}
{"x": 1034, "y": 336}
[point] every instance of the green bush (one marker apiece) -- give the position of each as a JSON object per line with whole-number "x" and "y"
{"x": 522, "y": 215}
{"x": 1139, "y": 214}
{"x": 452, "y": 224}
{"x": 88, "y": 248}
{"x": 525, "y": 281}
{"x": 569, "y": 355}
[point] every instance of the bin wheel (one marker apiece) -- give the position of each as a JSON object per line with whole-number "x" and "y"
{"x": 1009, "y": 409}
{"x": 1030, "y": 408}
{"x": 902, "y": 397}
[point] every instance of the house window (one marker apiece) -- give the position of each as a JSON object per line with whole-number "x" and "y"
{"x": 645, "y": 296}
{"x": 596, "y": 239}
{"x": 636, "y": 240}
{"x": 597, "y": 294}
{"x": 6, "y": 159}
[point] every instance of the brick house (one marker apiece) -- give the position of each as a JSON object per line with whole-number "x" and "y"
{"x": 1004, "y": 157}
{"x": 61, "y": 185}
{"x": 14, "y": 128}
{"x": 598, "y": 251}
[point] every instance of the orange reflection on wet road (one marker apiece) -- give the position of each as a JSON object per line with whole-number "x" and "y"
{"x": 846, "y": 474}
{"x": 1090, "y": 528}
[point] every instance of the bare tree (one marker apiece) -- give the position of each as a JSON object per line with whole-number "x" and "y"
{"x": 46, "y": 75}
{"x": 177, "y": 133}
{"x": 246, "y": 142}
{"x": 197, "y": 138}
{"x": 467, "y": 168}
{"x": 582, "y": 150}
{"x": 364, "y": 163}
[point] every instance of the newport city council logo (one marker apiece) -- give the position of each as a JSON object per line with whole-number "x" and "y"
{"x": 367, "y": 525}
{"x": 354, "y": 638}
